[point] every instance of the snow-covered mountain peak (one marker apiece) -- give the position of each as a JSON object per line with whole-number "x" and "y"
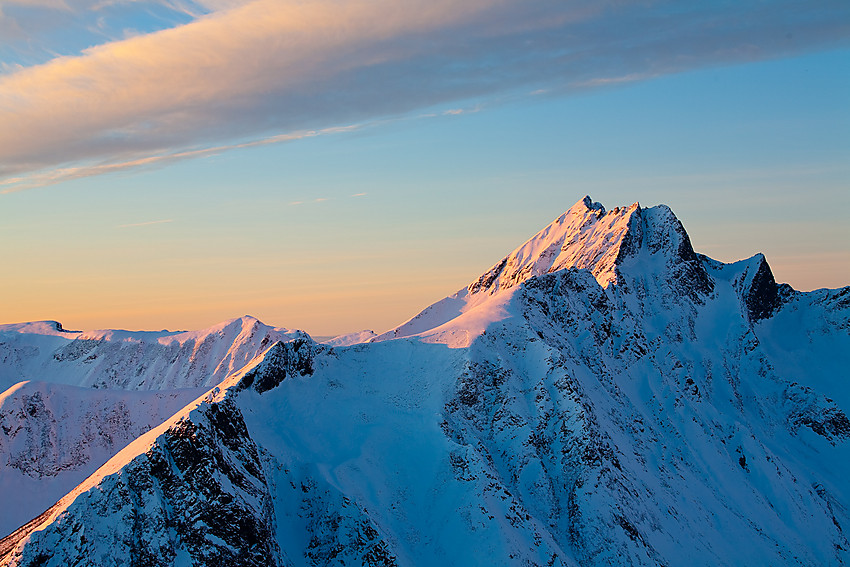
{"x": 48, "y": 328}
{"x": 627, "y": 246}
{"x": 133, "y": 360}
{"x": 585, "y": 237}
{"x": 241, "y": 327}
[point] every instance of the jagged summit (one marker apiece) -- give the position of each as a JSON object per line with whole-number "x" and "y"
{"x": 591, "y": 204}
{"x": 585, "y": 236}
{"x": 615, "y": 246}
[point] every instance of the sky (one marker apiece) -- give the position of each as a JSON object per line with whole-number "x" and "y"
{"x": 338, "y": 165}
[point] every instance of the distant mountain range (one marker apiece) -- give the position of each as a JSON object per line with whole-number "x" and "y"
{"x": 604, "y": 395}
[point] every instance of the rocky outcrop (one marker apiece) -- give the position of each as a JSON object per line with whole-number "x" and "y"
{"x": 281, "y": 360}
{"x": 53, "y": 436}
{"x": 198, "y": 492}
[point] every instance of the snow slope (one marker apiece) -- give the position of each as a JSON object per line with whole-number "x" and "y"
{"x": 351, "y": 338}
{"x": 631, "y": 404}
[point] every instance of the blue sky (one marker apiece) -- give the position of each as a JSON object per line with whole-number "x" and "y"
{"x": 400, "y": 169}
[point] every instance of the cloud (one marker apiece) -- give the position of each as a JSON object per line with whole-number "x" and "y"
{"x": 270, "y": 66}
{"x": 606, "y": 81}
{"x": 147, "y": 223}
{"x": 55, "y": 4}
{"x": 60, "y": 174}
{"x": 35, "y": 31}
{"x": 316, "y": 200}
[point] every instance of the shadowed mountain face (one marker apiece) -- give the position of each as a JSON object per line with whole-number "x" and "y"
{"x": 602, "y": 396}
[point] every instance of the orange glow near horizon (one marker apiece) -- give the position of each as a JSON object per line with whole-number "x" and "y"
{"x": 322, "y": 308}
{"x": 336, "y": 166}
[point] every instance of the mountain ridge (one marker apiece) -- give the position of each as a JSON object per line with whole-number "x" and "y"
{"x": 133, "y": 359}
{"x": 672, "y": 414}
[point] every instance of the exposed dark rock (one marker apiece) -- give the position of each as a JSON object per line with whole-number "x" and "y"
{"x": 763, "y": 296}
{"x": 487, "y": 279}
{"x": 808, "y": 409}
{"x": 199, "y": 490}
{"x": 282, "y": 360}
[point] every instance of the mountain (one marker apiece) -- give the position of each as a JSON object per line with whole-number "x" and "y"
{"x": 132, "y": 360}
{"x": 73, "y": 399}
{"x": 53, "y": 436}
{"x": 586, "y": 237}
{"x": 603, "y": 396}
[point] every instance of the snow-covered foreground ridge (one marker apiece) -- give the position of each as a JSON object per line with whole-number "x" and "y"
{"x": 603, "y": 396}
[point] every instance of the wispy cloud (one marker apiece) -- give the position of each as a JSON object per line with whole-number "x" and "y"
{"x": 359, "y": 195}
{"x": 57, "y": 175}
{"x": 146, "y": 223}
{"x": 307, "y": 67}
{"x": 607, "y": 81}
{"x": 316, "y": 200}
{"x": 37, "y": 30}
{"x": 458, "y": 111}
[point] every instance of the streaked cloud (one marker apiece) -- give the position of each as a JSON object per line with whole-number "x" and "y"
{"x": 311, "y": 201}
{"x": 60, "y": 174}
{"x": 606, "y": 81}
{"x": 146, "y": 223}
{"x": 266, "y": 71}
